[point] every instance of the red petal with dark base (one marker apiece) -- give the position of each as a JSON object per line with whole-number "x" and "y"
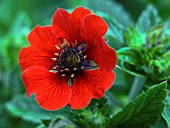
{"x": 52, "y": 91}
{"x": 90, "y": 84}
{"x": 31, "y": 56}
{"x": 103, "y": 55}
{"x": 93, "y": 28}
{"x": 43, "y": 38}
{"x": 42, "y": 49}
{"x": 67, "y": 26}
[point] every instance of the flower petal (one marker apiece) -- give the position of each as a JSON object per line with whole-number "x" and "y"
{"x": 103, "y": 55}
{"x": 31, "y": 56}
{"x": 42, "y": 48}
{"x": 67, "y": 26}
{"x": 93, "y": 28}
{"x": 90, "y": 84}
{"x": 43, "y": 38}
{"x": 77, "y": 17}
{"x": 52, "y": 91}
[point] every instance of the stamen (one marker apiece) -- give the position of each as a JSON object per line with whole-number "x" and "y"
{"x": 61, "y": 45}
{"x": 69, "y": 60}
{"x": 67, "y": 69}
{"x": 57, "y": 47}
{"x": 65, "y": 41}
{"x": 54, "y": 67}
{"x": 74, "y": 69}
{"x": 72, "y": 75}
{"x": 53, "y": 59}
{"x": 57, "y": 66}
{"x": 85, "y": 56}
{"x": 61, "y": 70}
{"x": 63, "y": 75}
{"x": 56, "y": 54}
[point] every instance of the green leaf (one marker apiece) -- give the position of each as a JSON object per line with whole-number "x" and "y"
{"x": 144, "y": 111}
{"x": 148, "y": 18}
{"x": 115, "y": 31}
{"x": 26, "y": 108}
{"x": 161, "y": 123}
{"x": 112, "y": 9}
{"x": 134, "y": 38}
{"x": 166, "y": 113}
{"x": 62, "y": 123}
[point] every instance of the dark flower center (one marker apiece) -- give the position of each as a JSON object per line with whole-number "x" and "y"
{"x": 70, "y": 60}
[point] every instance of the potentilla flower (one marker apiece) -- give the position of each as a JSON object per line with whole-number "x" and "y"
{"x": 69, "y": 62}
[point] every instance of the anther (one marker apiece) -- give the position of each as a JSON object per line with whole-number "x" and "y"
{"x": 61, "y": 45}
{"x": 57, "y": 47}
{"x": 57, "y": 66}
{"x": 61, "y": 70}
{"x": 74, "y": 69}
{"x": 63, "y": 75}
{"x": 65, "y": 41}
{"x": 72, "y": 75}
{"x": 67, "y": 69}
{"x": 54, "y": 67}
{"x": 56, "y": 54}
{"x": 53, "y": 59}
{"x": 85, "y": 57}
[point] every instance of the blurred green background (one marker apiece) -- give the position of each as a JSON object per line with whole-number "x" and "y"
{"x": 19, "y": 17}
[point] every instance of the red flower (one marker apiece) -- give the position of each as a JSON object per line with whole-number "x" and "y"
{"x": 69, "y": 62}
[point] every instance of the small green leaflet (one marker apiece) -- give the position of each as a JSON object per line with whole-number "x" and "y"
{"x": 144, "y": 111}
{"x": 148, "y": 18}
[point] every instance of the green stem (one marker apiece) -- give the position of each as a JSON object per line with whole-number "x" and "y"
{"x": 137, "y": 87}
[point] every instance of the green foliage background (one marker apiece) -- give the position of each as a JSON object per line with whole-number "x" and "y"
{"x": 139, "y": 30}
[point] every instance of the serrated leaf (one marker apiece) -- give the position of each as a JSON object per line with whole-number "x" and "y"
{"x": 144, "y": 111}
{"x": 27, "y": 109}
{"x": 148, "y": 18}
